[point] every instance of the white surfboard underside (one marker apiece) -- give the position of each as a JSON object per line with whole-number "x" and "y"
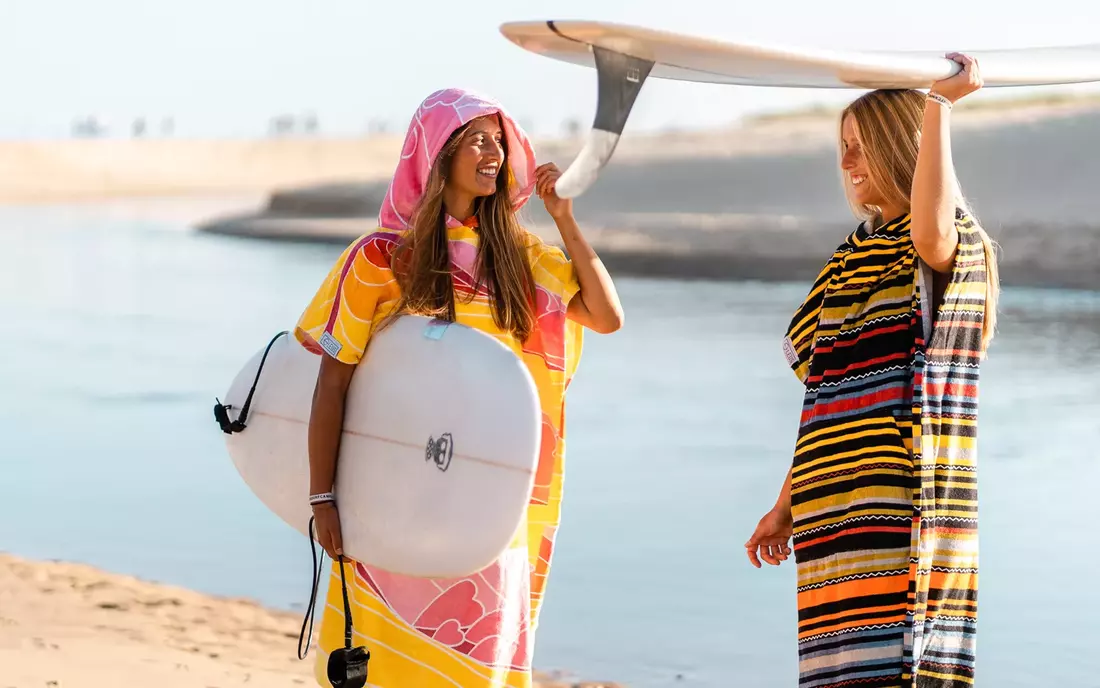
{"x": 626, "y": 56}
{"x": 693, "y": 58}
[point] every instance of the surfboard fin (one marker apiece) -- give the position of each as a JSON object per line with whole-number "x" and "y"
{"x": 619, "y": 80}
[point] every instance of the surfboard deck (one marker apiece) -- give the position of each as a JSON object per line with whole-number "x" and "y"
{"x": 440, "y": 443}
{"x": 626, "y": 56}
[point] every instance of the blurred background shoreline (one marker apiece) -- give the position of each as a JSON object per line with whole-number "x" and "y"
{"x": 761, "y": 200}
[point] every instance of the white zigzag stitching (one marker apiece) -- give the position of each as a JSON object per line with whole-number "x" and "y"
{"x": 946, "y": 617}
{"x": 819, "y": 529}
{"x": 927, "y": 376}
{"x": 943, "y": 569}
{"x": 900, "y": 316}
{"x": 852, "y": 577}
{"x": 833, "y": 634}
{"x": 861, "y": 376}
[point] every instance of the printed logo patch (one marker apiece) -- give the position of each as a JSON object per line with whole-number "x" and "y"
{"x": 330, "y": 345}
{"x": 441, "y": 451}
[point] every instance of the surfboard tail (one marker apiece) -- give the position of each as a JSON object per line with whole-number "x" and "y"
{"x": 619, "y": 80}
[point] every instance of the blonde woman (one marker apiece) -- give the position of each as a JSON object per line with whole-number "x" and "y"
{"x": 881, "y": 498}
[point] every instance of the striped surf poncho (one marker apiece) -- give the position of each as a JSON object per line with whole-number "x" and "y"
{"x": 884, "y": 483}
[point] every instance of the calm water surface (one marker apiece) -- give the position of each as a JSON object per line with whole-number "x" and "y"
{"x": 119, "y": 333}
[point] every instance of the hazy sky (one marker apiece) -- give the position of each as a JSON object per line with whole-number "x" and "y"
{"x": 225, "y": 67}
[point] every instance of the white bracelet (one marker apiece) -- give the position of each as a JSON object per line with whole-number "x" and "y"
{"x": 942, "y": 100}
{"x": 321, "y": 498}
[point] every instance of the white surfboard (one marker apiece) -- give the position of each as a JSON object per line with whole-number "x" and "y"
{"x": 626, "y": 56}
{"x": 437, "y": 461}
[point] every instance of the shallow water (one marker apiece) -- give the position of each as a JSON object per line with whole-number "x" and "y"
{"x": 119, "y": 334}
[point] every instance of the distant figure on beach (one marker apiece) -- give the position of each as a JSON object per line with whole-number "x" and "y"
{"x": 882, "y": 496}
{"x": 450, "y": 246}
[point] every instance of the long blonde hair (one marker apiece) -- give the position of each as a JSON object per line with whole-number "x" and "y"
{"x": 889, "y": 124}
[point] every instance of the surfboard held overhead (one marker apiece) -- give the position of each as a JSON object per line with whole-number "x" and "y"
{"x": 626, "y": 56}
{"x": 684, "y": 57}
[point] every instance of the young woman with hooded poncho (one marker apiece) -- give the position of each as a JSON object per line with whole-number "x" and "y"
{"x": 449, "y": 245}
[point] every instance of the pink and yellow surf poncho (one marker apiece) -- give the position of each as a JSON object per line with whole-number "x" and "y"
{"x": 475, "y": 632}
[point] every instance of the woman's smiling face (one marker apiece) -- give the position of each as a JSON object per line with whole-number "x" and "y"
{"x": 478, "y": 159}
{"x": 853, "y": 162}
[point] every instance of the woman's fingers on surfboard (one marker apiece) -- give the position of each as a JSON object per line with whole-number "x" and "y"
{"x": 336, "y": 539}
{"x": 328, "y": 529}
{"x": 540, "y": 177}
{"x": 970, "y": 68}
{"x": 968, "y": 80}
{"x": 546, "y": 178}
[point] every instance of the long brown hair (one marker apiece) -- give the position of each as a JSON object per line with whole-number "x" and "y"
{"x": 889, "y": 123}
{"x": 422, "y": 262}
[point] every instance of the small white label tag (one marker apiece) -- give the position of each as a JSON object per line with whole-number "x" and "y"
{"x": 789, "y": 352}
{"x": 330, "y": 345}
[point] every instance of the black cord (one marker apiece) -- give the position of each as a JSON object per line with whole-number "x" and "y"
{"x": 221, "y": 411}
{"x": 347, "y": 607}
{"x": 311, "y": 608}
{"x": 312, "y": 597}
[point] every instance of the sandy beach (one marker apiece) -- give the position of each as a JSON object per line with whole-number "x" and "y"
{"x": 65, "y": 625}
